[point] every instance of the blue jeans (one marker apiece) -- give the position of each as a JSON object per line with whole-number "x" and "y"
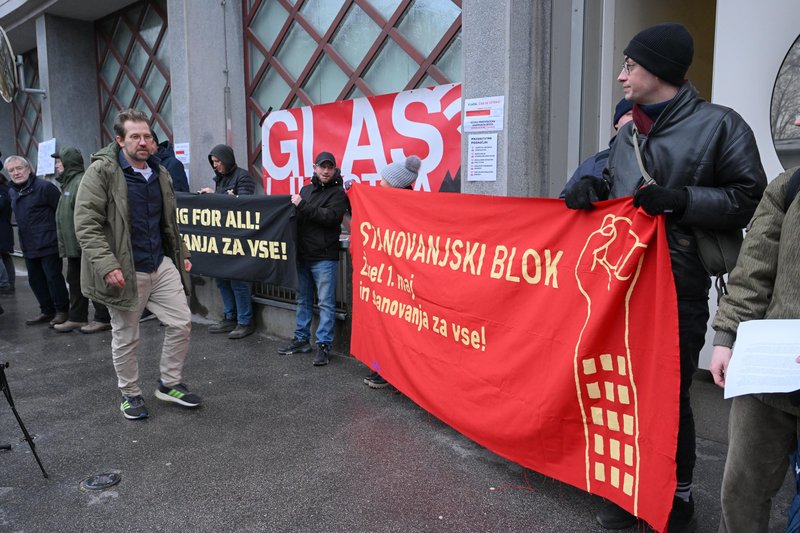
{"x": 322, "y": 275}
{"x": 236, "y": 301}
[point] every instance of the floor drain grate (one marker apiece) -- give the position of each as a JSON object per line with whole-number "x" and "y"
{"x": 100, "y": 481}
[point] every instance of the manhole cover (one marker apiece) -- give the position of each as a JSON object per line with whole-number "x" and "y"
{"x": 100, "y": 481}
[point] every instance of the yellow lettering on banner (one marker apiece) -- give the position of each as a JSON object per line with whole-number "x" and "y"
{"x": 201, "y": 243}
{"x": 267, "y": 249}
{"x": 231, "y": 246}
{"x": 206, "y": 217}
{"x": 551, "y": 270}
{"x": 182, "y": 214}
{"x": 243, "y": 219}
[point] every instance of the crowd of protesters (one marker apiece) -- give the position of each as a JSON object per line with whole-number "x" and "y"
{"x": 114, "y": 224}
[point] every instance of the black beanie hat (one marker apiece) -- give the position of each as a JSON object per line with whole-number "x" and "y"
{"x": 623, "y": 106}
{"x": 665, "y": 50}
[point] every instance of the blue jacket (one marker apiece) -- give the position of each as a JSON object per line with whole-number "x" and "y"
{"x": 34, "y": 205}
{"x": 6, "y": 233}
{"x": 166, "y": 156}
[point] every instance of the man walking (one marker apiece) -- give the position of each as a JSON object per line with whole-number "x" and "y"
{"x": 237, "y": 319}
{"x": 133, "y": 257}
{"x": 319, "y": 210}
{"x": 70, "y": 169}
{"x": 708, "y": 175}
{"x": 34, "y": 202}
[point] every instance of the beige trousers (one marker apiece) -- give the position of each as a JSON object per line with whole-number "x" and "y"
{"x": 162, "y": 293}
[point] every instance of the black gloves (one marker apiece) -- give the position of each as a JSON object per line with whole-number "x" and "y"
{"x": 588, "y": 189}
{"x": 655, "y": 199}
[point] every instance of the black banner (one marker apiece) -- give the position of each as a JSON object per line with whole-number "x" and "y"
{"x": 247, "y": 238}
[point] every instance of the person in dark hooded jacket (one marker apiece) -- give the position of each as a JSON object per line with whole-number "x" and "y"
{"x": 165, "y": 153}
{"x": 237, "y": 320}
{"x": 71, "y": 171}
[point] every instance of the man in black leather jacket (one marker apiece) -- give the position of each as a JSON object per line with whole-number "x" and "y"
{"x": 708, "y": 175}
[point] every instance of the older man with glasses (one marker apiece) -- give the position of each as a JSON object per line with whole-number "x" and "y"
{"x": 34, "y": 202}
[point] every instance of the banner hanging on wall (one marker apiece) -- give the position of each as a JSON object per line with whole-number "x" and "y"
{"x": 365, "y": 135}
{"x": 549, "y": 336}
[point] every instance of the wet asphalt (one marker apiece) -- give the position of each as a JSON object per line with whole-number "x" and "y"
{"x": 278, "y": 445}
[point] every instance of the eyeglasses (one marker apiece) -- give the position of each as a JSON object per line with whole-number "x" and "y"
{"x": 628, "y": 67}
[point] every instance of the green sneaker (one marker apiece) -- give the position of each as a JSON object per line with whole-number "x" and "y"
{"x": 133, "y": 408}
{"x": 177, "y": 394}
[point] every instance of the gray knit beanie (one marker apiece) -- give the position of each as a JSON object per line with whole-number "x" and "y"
{"x": 401, "y": 175}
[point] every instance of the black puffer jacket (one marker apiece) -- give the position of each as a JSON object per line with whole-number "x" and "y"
{"x": 709, "y": 151}
{"x": 319, "y": 219}
{"x": 236, "y": 180}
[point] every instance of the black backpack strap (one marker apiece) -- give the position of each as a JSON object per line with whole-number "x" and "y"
{"x": 792, "y": 189}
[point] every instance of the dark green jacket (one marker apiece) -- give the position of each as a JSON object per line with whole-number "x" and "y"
{"x": 70, "y": 179}
{"x": 102, "y": 224}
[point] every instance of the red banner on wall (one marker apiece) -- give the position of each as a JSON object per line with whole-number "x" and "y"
{"x": 549, "y": 336}
{"x": 365, "y": 135}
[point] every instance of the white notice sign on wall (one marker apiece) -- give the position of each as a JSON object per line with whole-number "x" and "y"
{"x": 482, "y": 157}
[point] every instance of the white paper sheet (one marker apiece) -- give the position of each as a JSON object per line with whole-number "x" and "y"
{"x": 45, "y": 164}
{"x": 764, "y": 358}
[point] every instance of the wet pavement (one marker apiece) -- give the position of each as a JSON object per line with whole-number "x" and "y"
{"x": 278, "y": 445}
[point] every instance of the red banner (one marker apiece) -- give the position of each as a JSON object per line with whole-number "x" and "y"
{"x": 365, "y": 135}
{"x": 547, "y": 335}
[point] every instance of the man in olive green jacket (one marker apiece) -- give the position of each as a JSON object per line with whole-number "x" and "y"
{"x": 133, "y": 257}
{"x": 69, "y": 164}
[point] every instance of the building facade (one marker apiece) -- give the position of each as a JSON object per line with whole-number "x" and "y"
{"x": 208, "y": 71}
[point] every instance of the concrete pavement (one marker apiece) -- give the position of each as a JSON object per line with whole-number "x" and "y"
{"x": 278, "y": 445}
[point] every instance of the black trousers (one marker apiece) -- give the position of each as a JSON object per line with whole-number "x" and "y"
{"x": 692, "y": 322}
{"x": 47, "y": 283}
{"x": 78, "y": 303}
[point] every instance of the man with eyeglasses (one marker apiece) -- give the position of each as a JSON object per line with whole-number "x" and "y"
{"x": 34, "y": 202}
{"x": 133, "y": 257}
{"x": 708, "y": 175}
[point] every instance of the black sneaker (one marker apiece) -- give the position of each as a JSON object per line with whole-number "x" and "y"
{"x": 612, "y": 516}
{"x": 178, "y": 394}
{"x": 297, "y": 346}
{"x": 133, "y": 408}
{"x": 375, "y": 381}
{"x": 323, "y": 355}
{"x": 242, "y": 331}
{"x": 681, "y": 518}
{"x": 223, "y": 326}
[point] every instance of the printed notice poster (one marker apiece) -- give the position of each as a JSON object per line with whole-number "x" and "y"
{"x": 182, "y": 153}
{"x": 484, "y": 114}
{"x": 482, "y": 157}
{"x": 44, "y": 163}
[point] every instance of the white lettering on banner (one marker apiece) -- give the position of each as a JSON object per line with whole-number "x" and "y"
{"x": 308, "y": 148}
{"x": 363, "y": 115}
{"x": 288, "y": 146}
{"x": 432, "y": 100}
{"x": 365, "y": 135}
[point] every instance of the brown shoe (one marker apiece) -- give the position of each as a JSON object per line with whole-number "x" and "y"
{"x": 68, "y": 326}
{"x": 95, "y": 327}
{"x": 60, "y": 318}
{"x": 41, "y": 319}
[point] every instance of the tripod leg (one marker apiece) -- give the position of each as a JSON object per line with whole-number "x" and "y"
{"x": 7, "y": 393}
